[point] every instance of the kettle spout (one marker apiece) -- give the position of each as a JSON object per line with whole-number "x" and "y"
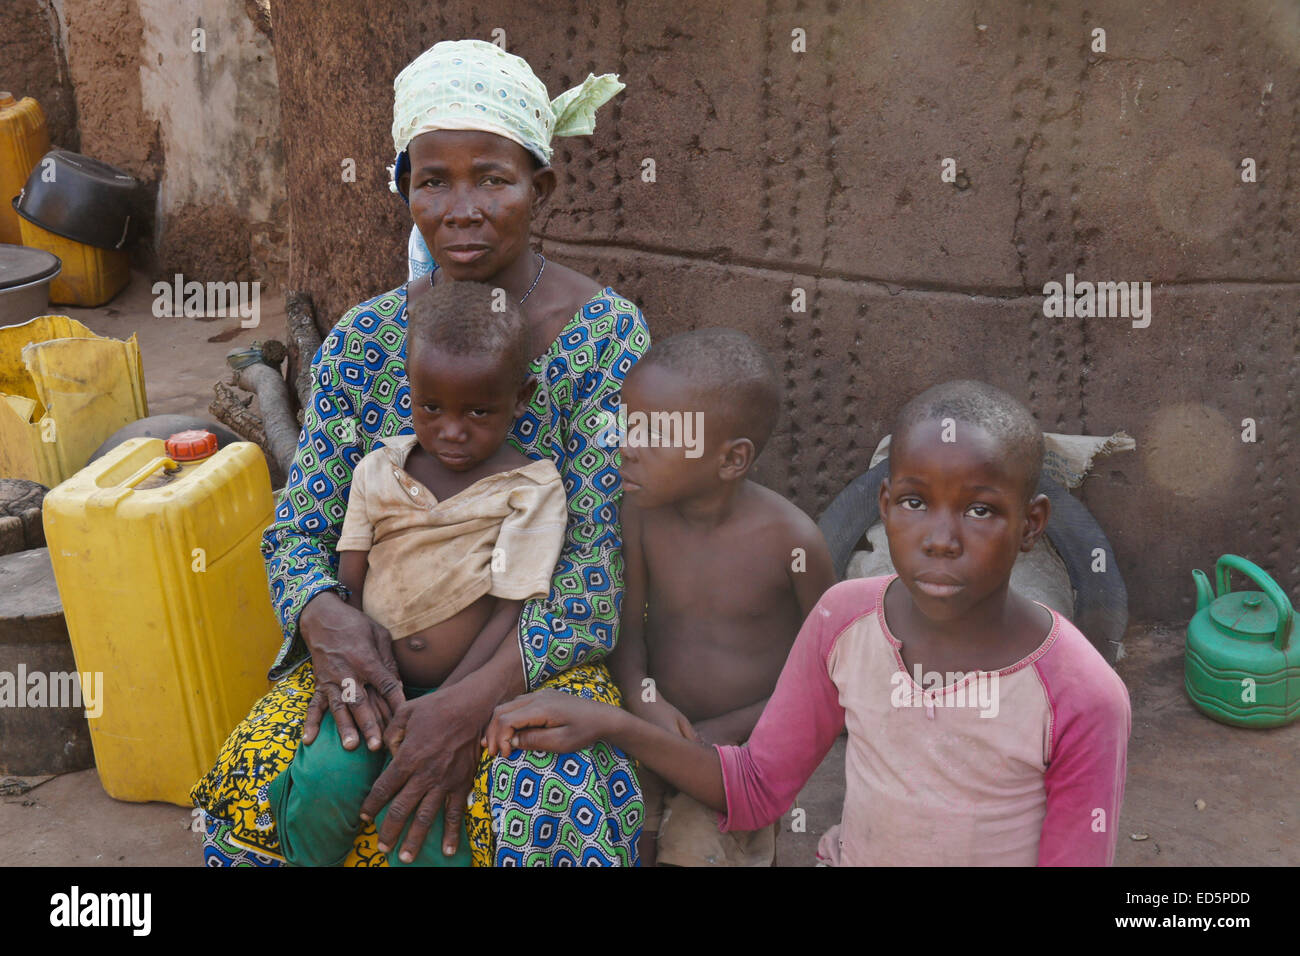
{"x": 1204, "y": 594}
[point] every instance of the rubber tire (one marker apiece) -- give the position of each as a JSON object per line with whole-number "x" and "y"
{"x": 1100, "y": 599}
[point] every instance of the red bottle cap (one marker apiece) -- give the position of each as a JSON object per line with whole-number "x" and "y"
{"x": 193, "y": 445}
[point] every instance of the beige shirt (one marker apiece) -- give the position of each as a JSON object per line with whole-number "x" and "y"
{"x": 430, "y": 559}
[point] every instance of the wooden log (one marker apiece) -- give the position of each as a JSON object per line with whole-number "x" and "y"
{"x": 21, "y": 499}
{"x": 11, "y": 535}
{"x": 233, "y": 411}
{"x": 273, "y": 352}
{"x": 304, "y": 341}
{"x": 278, "y": 421}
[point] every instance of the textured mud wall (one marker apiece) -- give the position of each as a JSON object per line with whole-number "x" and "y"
{"x": 778, "y": 170}
{"x": 215, "y": 96}
{"x": 34, "y": 62}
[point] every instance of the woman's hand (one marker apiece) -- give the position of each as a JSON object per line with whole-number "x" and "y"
{"x": 356, "y": 675}
{"x": 559, "y": 722}
{"x": 435, "y": 744}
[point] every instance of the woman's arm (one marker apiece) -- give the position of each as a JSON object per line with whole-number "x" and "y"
{"x": 299, "y": 544}
{"x": 578, "y": 619}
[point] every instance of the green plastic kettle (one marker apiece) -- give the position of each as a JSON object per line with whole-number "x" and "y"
{"x": 1242, "y": 661}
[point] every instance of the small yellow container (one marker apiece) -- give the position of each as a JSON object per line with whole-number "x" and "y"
{"x": 24, "y": 139}
{"x": 63, "y": 391}
{"x": 91, "y": 276}
{"x": 165, "y": 594}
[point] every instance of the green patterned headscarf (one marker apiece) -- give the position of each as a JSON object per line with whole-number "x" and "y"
{"x": 475, "y": 85}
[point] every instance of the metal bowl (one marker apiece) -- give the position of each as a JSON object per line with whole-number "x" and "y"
{"x": 78, "y": 198}
{"x": 25, "y": 277}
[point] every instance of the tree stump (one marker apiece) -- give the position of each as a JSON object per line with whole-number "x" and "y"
{"x": 49, "y": 738}
{"x": 20, "y": 515}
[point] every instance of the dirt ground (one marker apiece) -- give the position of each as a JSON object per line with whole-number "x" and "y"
{"x": 1177, "y": 757}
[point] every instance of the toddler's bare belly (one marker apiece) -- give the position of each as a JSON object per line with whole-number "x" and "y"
{"x": 426, "y": 658}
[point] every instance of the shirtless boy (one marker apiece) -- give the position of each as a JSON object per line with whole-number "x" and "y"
{"x": 720, "y": 571}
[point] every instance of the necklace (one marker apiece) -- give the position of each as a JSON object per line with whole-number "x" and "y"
{"x": 536, "y": 279}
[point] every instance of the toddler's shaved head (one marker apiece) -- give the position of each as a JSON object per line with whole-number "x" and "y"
{"x": 469, "y": 318}
{"x": 730, "y": 374}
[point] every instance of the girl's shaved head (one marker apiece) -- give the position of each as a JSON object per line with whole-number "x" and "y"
{"x": 977, "y": 403}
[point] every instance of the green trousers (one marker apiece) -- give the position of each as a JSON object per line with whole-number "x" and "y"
{"x": 317, "y": 801}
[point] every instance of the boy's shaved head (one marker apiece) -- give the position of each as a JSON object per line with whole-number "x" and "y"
{"x": 976, "y": 403}
{"x": 731, "y": 376}
{"x": 469, "y": 318}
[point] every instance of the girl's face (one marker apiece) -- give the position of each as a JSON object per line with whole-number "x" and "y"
{"x": 473, "y": 196}
{"x": 463, "y": 405}
{"x": 957, "y": 516}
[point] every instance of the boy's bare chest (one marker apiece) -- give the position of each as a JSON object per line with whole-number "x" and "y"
{"x": 716, "y": 575}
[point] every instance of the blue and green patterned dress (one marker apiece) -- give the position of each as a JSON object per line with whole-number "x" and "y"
{"x": 531, "y": 808}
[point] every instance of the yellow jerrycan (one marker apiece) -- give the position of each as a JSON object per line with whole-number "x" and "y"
{"x": 156, "y": 555}
{"x": 63, "y": 391}
{"x": 23, "y": 141}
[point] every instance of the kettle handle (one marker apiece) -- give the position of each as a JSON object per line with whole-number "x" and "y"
{"x": 1272, "y": 590}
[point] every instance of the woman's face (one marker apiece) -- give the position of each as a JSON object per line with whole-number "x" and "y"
{"x": 473, "y": 196}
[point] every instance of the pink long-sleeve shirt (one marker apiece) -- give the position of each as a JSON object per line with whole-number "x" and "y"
{"x": 1020, "y": 766}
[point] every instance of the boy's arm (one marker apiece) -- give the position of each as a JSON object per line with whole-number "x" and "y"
{"x": 811, "y": 573}
{"x": 554, "y": 721}
{"x": 352, "y": 574}
{"x": 629, "y": 661}
{"x": 816, "y": 575}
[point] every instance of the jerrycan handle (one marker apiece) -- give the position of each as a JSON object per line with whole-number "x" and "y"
{"x": 111, "y": 497}
{"x": 1272, "y": 590}
{"x": 153, "y": 466}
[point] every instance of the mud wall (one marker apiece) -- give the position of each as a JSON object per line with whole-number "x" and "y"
{"x": 821, "y": 170}
{"x": 34, "y": 62}
{"x": 193, "y": 115}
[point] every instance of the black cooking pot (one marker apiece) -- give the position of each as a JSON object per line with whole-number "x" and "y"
{"x": 78, "y": 198}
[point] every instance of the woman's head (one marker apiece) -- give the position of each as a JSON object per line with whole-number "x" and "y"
{"x": 467, "y": 363}
{"x": 473, "y": 196}
{"x": 472, "y": 126}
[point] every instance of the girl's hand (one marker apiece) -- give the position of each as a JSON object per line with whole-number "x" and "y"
{"x": 548, "y": 720}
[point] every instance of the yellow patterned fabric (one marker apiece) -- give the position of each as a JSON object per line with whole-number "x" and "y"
{"x": 235, "y": 791}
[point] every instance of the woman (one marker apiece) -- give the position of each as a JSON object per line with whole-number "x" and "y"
{"x": 472, "y": 127}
